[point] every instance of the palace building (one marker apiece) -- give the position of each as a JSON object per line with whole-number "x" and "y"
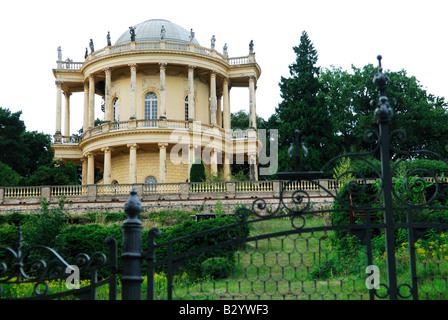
{"x": 166, "y": 104}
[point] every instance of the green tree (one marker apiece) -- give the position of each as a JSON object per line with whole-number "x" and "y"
{"x": 21, "y": 150}
{"x": 303, "y": 108}
{"x": 11, "y": 147}
{"x": 240, "y": 120}
{"x": 57, "y": 173}
{"x": 347, "y": 96}
{"x": 197, "y": 171}
{"x": 8, "y": 177}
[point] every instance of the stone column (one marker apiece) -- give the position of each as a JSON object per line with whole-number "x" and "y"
{"x": 90, "y": 168}
{"x": 252, "y": 104}
{"x": 213, "y": 98}
{"x": 162, "y": 161}
{"x": 107, "y": 101}
{"x": 219, "y": 113}
{"x": 91, "y": 101}
{"x": 253, "y": 166}
{"x": 226, "y": 102}
{"x": 227, "y": 171}
{"x": 133, "y": 108}
{"x": 191, "y": 159}
{"x": 84, "y": 171}
{"x": 162, "y": 90}
{"x": 67, "y": 114}
{"x": 107, "y": 165}
{"x": 85, "y": 126}
{"x": 213, "y": 161}
{"x": 132, "y": 162}
{"x": 191, "y": 106}
{"x": 58, "y": 106}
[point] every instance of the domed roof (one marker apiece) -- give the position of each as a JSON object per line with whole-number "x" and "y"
{"x": 150, "y": 30}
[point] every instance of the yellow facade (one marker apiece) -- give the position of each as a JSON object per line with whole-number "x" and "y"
{"x": 166, "y": 102}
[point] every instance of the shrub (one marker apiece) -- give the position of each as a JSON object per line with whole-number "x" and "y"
{"x": 197, "y": 171}
{"x": 217, "y": 268}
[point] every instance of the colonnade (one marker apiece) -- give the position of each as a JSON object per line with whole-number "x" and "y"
{"x": 89, "y": 100}
{"x": 217, "y": 101}
{"x": 88, "y": 163}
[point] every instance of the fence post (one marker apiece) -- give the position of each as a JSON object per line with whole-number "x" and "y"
{"x": 383, "y": 114}
{"x": 131, "y": 256}
{"x": 151, "y": 259}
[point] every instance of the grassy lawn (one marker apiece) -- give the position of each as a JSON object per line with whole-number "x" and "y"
{"x": 307, "y": 266}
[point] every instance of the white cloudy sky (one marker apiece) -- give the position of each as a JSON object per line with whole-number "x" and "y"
{"x": 410, "y": 35}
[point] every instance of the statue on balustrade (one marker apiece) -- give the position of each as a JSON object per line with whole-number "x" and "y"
{"x": 224, "y": 51}
{"x": 92, "y": 48}
{"x": 213, "y": 42}
{"x": 251, "y": 47}
{"x": 162, "y": 33}
{"x": 132, "y": 32}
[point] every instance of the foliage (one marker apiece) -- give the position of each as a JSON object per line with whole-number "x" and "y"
{"x": 197, "y": 171}
{"x": 302, "y": 108}
{"x": 57, "y": 173}
{"x": 347, "y": 96}
{"x": 9, "y": 177}
{"x": 240, "y": 120}
{"x": 193, "y": 265}
{"x": 45, "y": 227}
{"x": 216, "y": 268}
{"x": 21, "y": 150}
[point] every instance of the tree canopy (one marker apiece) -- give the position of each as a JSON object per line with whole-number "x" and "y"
{"x": 26, "y": 157}
{"x": 303, "y": 109}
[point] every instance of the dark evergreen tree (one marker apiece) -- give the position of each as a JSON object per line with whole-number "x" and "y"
{"x": 303, "y": 108}
{"x": 197, "y": 171}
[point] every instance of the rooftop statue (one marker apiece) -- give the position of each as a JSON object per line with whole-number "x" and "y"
{"x": 224, "y": 51}
{"x": 132, "y": 32}
{"x": 92, "y": 48}
{"x": 191, "y": 35}
{"x": 251, "y": 47}
{"x": 162, "y": 33}
{"x": 59, "y": 54}
{"x": 108, "y": 39}
{"x": 213, "y": 42}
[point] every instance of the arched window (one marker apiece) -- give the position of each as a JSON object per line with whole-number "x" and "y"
{"x": 150, "y": 106}
{"x": 150, "y": 184}
{"x": 116, "y": 110}
{"x": 186, "y": 108}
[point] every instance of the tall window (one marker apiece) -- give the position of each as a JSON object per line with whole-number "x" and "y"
{"x": 150, "y": 184}
{"x": 150, "y": 106}
{"x": 186, "y": 108}
{"x": 116, "y": 109}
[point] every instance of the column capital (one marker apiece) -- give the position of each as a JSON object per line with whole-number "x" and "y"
{"x": 67, "y": 94}
{"x": 91, "y": 76}
{"x": 107, "y": 70}
{"x": 191, "y": 67}
{"x": 163, "y": 144}
{"x": 132, "y": 145}
{"x": 89, "y": 154}
{"x": 163, "y": 65}
{"x": 107, "y": 149}
{"x": 59, "y": 83}
{"x": 133, "y": 66}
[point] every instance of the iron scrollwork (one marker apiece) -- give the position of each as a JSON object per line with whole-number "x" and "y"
{"x": 40, "y": 264}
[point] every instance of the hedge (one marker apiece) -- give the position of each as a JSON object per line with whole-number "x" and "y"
{"x": 89, "y": 239}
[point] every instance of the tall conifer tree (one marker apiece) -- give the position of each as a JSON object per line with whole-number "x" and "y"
{"x": 303, "y": 108}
